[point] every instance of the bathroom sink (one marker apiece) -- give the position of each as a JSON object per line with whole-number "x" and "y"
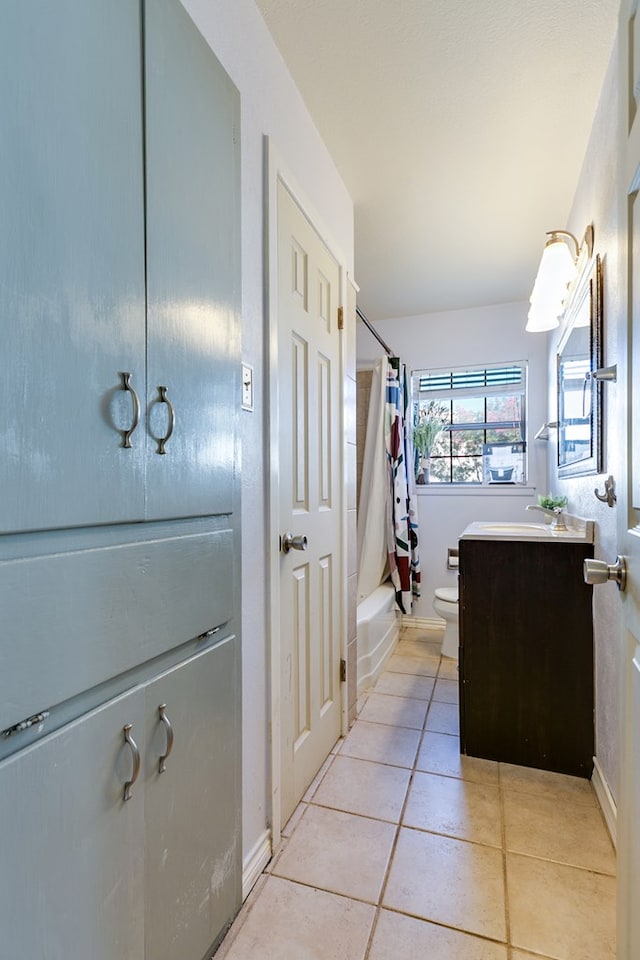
{"x": 527, "y": 529}
{"x": 578, "y": 530}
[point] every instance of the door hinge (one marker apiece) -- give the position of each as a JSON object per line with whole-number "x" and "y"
{"x": 340, "y": 318}
{"x": 343, "y": 671}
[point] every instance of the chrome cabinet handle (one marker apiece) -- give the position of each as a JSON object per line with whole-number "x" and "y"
{"x": 126, "y": 385}
{"x": 135, "y": 754}
{"x": 164, "y": 719}
{"x": 597, "y": 571}
{"x": 172, "y": 419}
{"x": 289, "y": 542}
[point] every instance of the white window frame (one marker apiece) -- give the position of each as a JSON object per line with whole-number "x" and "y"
{"x": 499, "y": 372}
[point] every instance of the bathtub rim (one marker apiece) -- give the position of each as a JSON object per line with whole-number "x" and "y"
{"x": 376, "y": 645}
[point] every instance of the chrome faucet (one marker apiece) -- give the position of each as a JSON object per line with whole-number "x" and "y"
{"x": 558, "y": 522}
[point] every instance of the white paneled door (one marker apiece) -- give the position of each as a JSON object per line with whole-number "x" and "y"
{"x": 310, "y": 499}
{"x": 628, "y": 827}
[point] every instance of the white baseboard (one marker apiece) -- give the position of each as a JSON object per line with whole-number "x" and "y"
{"x": 255, "y": 862}
{"x": 427, "y": 623}
{"x": 605, "y": 799}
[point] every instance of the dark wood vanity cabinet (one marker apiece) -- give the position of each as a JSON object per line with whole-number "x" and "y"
{"x": 526, "y": 654}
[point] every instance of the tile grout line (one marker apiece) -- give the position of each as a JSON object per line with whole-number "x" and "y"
{"x": 502, "y": 821}
{"x": 503, "y": 835}
{"x": 504, "y": 863}
{"x": 503, "y": 842}
{"x": 387, "y": 871}
{"x": 401, "y": 824}
{"x": 309, "y": 802}
{"x": 378, "y": 906}
{"x": 504, "y": 790}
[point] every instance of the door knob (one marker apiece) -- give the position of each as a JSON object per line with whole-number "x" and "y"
{"x": 289, "y": 542}
{"x": 597, "y": 571}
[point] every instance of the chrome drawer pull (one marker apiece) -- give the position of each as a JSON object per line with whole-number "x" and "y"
{"x": 164, "y": 719}
{"x": 126, "y": 385}
{"x": 135, "y": 754}
{"x": 172, "y": 419}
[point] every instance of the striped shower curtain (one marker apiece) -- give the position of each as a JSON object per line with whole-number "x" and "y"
{"x": 402, "y": 514}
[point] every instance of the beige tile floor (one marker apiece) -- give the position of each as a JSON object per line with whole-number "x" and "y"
{"x": 403, "y": 848}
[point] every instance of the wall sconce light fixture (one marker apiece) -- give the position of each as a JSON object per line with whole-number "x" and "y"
{"x": 556, "y": 271}
{"x": 562, "y": 260}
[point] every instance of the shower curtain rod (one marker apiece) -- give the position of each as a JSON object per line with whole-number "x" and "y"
{"x": 374, "y": 332}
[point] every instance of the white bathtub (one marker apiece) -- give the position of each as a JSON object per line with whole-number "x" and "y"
{"x": 378, "y": 627}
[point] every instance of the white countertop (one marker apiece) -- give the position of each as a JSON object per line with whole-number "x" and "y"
{"x": 578, "y": 531}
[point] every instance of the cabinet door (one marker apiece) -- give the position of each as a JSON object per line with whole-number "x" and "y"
{"x": 526, "y": 654}
{"x": 71, "y": 850}
{"x": 192, "y": 862}
{"x": 193, "y": 275}
{"x": 71, "y": 262}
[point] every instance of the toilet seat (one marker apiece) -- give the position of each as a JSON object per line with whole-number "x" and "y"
{"x": 448, "y": 594}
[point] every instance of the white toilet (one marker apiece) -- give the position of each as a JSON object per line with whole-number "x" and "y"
{"x": 445, "y": 604}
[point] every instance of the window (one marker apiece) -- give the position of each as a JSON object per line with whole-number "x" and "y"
{"x": 481, "y": 414}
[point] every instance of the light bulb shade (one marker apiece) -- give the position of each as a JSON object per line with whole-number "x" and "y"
{"x": 557, "y": 260}
{"x": 542, "y": 316}
{"x": 556, "y": 271}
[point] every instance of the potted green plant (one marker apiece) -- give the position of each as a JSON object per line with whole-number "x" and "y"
{"x": 429, "y": 424}
{"x": 549, "y": 502}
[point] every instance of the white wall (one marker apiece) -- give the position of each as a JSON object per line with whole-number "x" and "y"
{"x": 270, "y": 105}
{"x": 455, "y": 338}
{"x": 596, "y": 202}
{"x": 496, "y": 333}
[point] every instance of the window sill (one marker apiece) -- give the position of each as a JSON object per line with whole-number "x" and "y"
{"x": 469, "y": 490}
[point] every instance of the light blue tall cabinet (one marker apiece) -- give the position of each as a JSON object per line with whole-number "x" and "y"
{"x": 119, "y": 495}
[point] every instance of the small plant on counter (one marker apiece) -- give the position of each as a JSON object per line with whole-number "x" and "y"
{"x": 549, "y": 502}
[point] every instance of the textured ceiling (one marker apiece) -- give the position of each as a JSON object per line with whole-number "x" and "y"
{"x": 459, "y": 129}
